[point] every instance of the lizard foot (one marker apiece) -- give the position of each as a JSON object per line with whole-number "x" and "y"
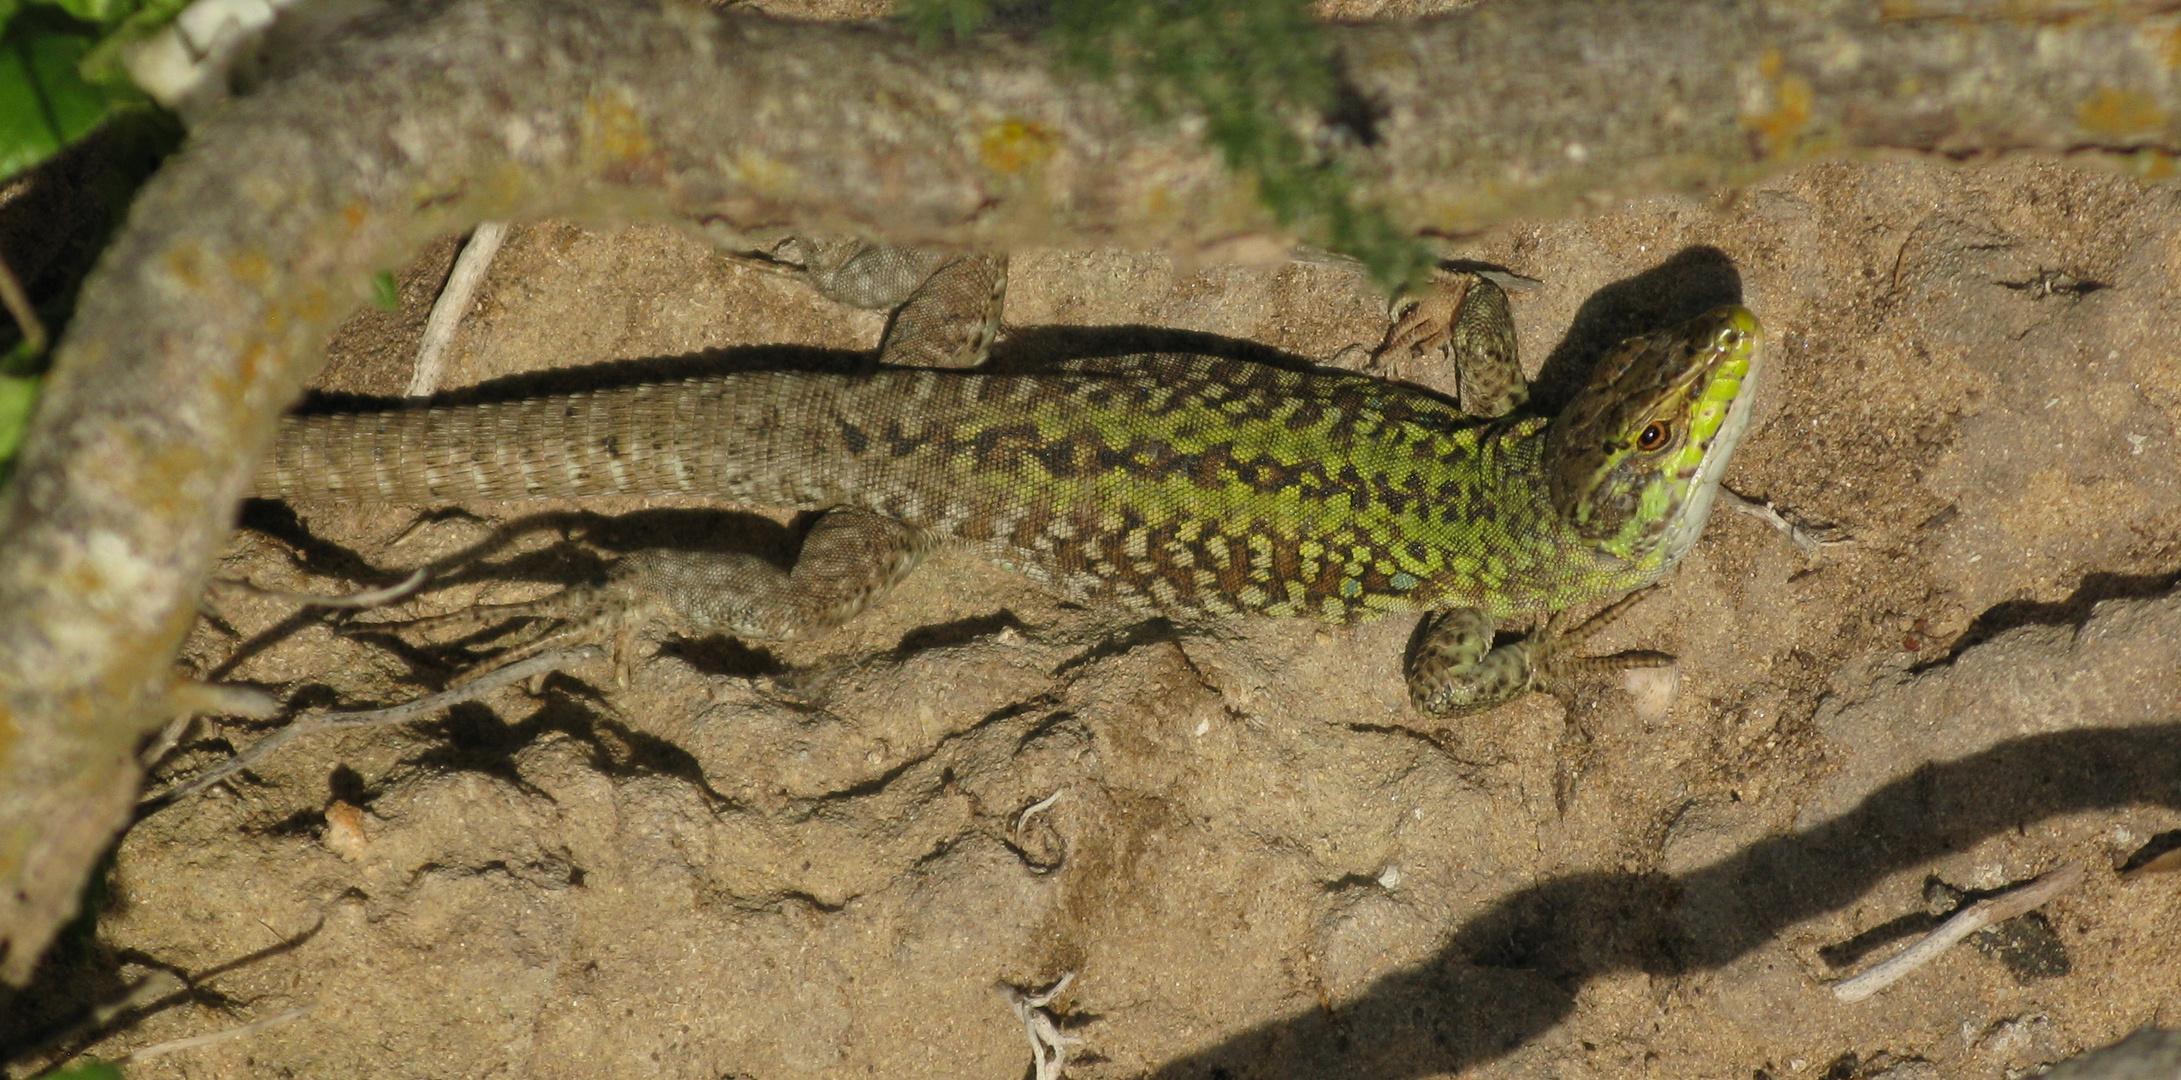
{"x": 1456, "y": 670}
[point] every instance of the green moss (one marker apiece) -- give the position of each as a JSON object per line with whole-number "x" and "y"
{"x": 1255, "y": 70}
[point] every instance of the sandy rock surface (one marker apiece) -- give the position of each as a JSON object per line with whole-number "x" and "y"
{"x": 808, "y": 860}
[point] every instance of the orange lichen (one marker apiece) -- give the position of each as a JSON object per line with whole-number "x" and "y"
{"x": 2169, "y": 44}
{"x": 1012, "y": 146}
{"x": 182, "y": 262}
{"x": 249, "y": 266}
{"x": 613, "y": 130}
{"x": 251, "y": 363}
{"x": 762, "y": 173}
{"x": 1781, "y": 127}
{"x": 2148, "y": 164}
{"x": 1770, "y": 63}
{"x": 2112, "y": 111}
{"x": 314, "y": 303}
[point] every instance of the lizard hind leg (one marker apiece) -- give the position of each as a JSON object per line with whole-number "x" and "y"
{"x": 850, "y": 559}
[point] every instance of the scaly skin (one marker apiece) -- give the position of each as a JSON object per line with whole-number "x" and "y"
{"x": 1186, "y": 485}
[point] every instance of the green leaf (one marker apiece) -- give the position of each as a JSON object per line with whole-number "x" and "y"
{"x": 26, "y": 135}
{"x": 45, "y": 103}
{"x": 102, "y": 12}
{"x": 17, "y": 395}
{"x": 385, "y": 295}
{"x": 73, "y": 106}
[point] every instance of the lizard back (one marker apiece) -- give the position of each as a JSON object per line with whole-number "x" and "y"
{"x": 1183, "y": 484}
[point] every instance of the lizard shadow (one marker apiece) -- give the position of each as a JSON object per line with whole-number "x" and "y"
{"x": 1687, "y": 284}
{"x": 1512, "y": 972}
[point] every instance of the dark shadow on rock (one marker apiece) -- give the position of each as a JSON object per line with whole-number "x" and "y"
{"x": 563, "y": 564}
{"x": 1157, "y": 630}
{"x": 721, "y": 656}
{"x": 312, "y": 552}
{"x": 946, "y": 635}
{"x": 1846, "y": 954}
{"x": 1692, "y": 282}
{"x": 2151, "y": 850}
{"x": 1513, "y": 971}
{"x": 70, "y": 988}
{"x": 477, "y": 739}
{"x": 2072, "y": 612}
{"x": 687, "y": 529}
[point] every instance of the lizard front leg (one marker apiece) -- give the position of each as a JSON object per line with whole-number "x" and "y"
{"x": 851, "y": 558}
{"x": 1456, "y": 671}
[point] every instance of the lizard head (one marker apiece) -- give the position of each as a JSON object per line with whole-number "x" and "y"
{"x": 1635, "y": 460}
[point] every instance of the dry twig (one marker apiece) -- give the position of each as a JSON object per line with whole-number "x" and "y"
{"x": 1967, "y": 921}
{"x": 207, "y": 1039}
{"x": 454, "y": 302}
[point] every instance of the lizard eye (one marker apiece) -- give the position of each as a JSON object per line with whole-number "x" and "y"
{"x": 1654, "y": 435}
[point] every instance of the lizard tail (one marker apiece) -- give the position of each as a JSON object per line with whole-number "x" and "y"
{"x": 759, "y": 437}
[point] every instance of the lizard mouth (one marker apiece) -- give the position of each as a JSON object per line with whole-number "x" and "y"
{"x": 1634, "y": 462}
{"x": 1724, "y": 406}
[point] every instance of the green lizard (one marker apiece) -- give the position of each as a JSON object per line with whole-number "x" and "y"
{"x": 1192, "y": 486}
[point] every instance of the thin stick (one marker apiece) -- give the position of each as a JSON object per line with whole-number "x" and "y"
{"x": 18, "y": 305}
{"x": 1967, "y": 921}
{"x": 364, "y": 598}
{"x": 251, "y": 1028}
{"x": 392, "y": 714}
{"x": 453, "y": 303}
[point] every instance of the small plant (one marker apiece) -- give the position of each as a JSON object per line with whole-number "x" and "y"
{"x": 1252, "y": 69}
